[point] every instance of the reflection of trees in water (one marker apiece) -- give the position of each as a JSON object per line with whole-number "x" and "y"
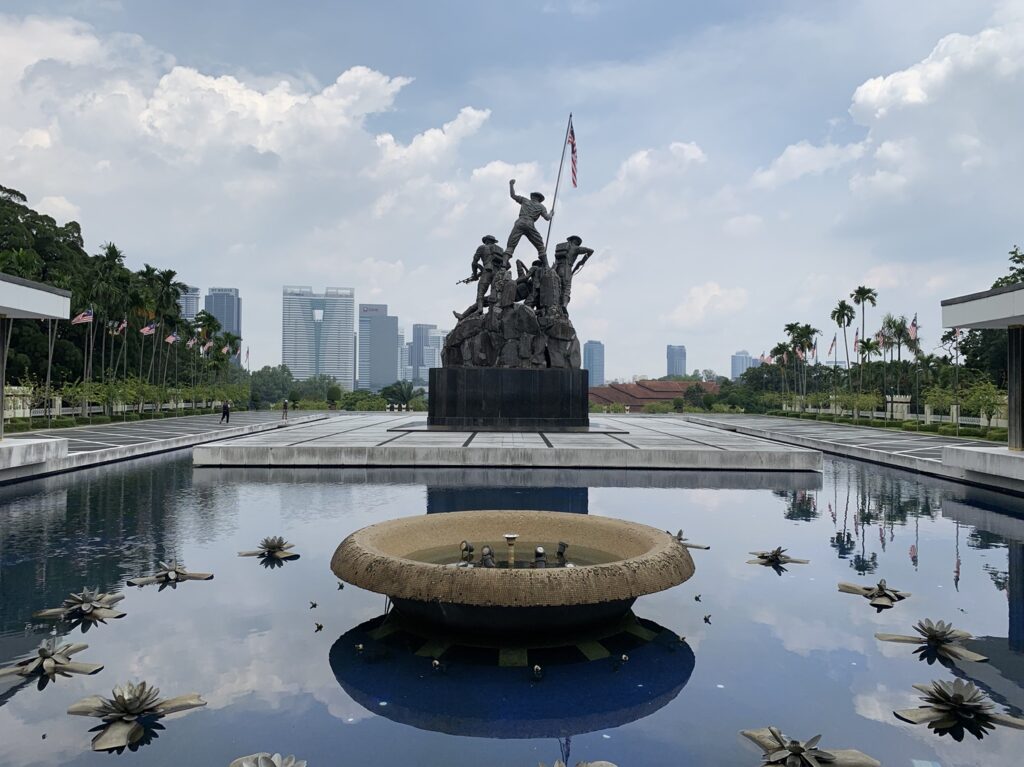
{"x": 801, "y": 506}
{"x": 1001, "y": 578}
{"x": 87, "y": 529}
{"x": 865, "y": 565}
{"x": 982, "y": 539}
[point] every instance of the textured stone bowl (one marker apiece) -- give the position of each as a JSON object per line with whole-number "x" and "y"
{"x": 644, "y": 561}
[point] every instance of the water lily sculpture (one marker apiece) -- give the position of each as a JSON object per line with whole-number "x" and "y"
{"x": 789, "y": 752}
{"x": 170, "y": 574}
{"x": 85, "y": 608}
{"x": 881, "y": 596}
{"x": 950, "y": 708}
{"x": 685, "y": 542}
{"x": 939, "y": 641}
{"x": 273, "y": 552}
{"x": 127, "y": 715}
{"x": 775, "y": 559}
{"x": 267, "y": 760}
{"x": 50, "y": 661}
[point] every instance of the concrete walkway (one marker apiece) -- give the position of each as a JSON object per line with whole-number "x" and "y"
{"x": 620, "y": 442}
{"x": 916, "y": 451}
{"x": 81, "y": 446}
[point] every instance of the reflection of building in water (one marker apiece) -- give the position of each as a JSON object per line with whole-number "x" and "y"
{"x": 1004, "y": 676}
{"x": 568, "y": 499}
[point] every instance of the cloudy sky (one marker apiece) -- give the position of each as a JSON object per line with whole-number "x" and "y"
{"x": 742, "y": 164}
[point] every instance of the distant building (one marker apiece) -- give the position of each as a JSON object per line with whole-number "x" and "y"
{"x": 404, "y": 371}
{"x": 226, "y": 305}
{"x": 676, "y": 359}
{"x": 378, "y": 343}
{"x": 593, "y": 362}
{"x": 318, "y": 333}
{"x": 635, "y": 395}
{"x": 188, "y": 302}
{"x": 742, "y": 362}
{"x": 420, "y": 360}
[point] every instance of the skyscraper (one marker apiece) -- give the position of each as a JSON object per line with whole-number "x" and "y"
{"x": 188, "y": 301}
{"x": 404, "y": 371}
{"x": 742, "y": 362}
{"x": 318, "y": 333}
{"x": 593, "y": 362}
{"x": 378, "y": 344}
{"x": 420, "y": 360}
{"x": 676, "y": 358}
{"x": 226, "y": 305}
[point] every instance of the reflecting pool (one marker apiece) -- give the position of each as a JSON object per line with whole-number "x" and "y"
{"x": 786, "y": 650}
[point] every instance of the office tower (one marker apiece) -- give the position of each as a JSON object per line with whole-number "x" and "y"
{"x": 378, "y": 344}
{"x": 418, "y": 354}
{"x": 188, "y": 301}
{"x": 226, "y": 305}
{"x": 676, "y": 357}
{"x": 593, "y": 362}
{"x": 435, "y": 345}
{"x": 402, "y": 358}
{"x": 318, "y": 334}
{"x": 741, "y": 362}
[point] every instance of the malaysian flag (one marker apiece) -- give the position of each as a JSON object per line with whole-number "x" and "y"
{"x": 833, "y": 344}
{"x": 226, "y": 349}
{"x": 815, "y": 349}
{"x": 207, "y": 346}
{"x": 191, "y": 342}
{"x": 247, "y": 356}
{"x": 122, "y": 326}
{"x": 856, "y": 339}
{"x": 912, "y": 330}
{"x": 571, "y": 138}
{"x": 172, "y": 338}
{"x": 82, "y": 318}
{"x": 149, "y": 330}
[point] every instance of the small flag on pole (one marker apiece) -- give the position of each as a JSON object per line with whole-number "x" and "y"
{"x": 82, "y": 318}
{"x": 226, "y": 349}
{"x": 121, "y": 327}
{"x": 191, "y": 342}
{"x": 149, "y": 330}
{"x": 247, "y": 356}
{"x": 571, "y": 138}
{"x": 912, "y": 330}
{"x": 856, "y": 339}
{"x": 832, "y": 346}
{"x": 172, "y": 338}
{"x": 207, "y": 346}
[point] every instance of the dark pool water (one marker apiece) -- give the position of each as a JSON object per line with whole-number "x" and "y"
{"x": 784, "y": 650}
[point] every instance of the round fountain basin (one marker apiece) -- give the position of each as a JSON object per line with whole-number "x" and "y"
{"x": 618, "y": 562}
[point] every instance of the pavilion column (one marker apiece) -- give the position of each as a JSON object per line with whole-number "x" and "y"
{"x": 1015, "y": 386}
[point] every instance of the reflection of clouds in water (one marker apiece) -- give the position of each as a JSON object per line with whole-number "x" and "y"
{"x": 803, "y": 635}
{"x": 1000, "y": 747}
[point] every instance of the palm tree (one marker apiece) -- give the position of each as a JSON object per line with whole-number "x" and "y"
{"x": 779, "y": 353}
{"x": 863, "y": 296}
{"x": 400, "y": 393}
{"x": 843, "y": 315}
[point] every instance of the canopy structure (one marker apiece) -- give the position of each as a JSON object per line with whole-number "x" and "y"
{"x": 22, "y": 299}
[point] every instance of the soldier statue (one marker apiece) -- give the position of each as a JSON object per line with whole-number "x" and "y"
{"x": 529, "y": 211}
{"x": 566, "y": 254}
{"x": 488, "y": 261}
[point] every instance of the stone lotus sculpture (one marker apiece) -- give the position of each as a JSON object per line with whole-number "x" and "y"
{"x": 273, "y": 551}
{"x": 685, "y": 542}
{"x": 85, "y": 608}
{"x": 950, "y": 708}
{"x": 788, "y": 752}
{"x": 882, "y": 597}
{"x": 127, "y": 715}
{"x": 776, "y": 559}
{"x": 170, "y": 574}
{"x": 939, "y": 641}
{"x": 267, "y": 760}
{"x": 50, "y": 661}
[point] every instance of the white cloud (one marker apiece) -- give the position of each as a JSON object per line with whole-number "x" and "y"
{"x": 705, "y": 302}
{"x": 743, "y": 226}
{"x": 60, "y": 208}
{"x": 805, "y": 159}
{"x": 431, "y": 145}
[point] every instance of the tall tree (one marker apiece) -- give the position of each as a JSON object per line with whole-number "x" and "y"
{"x": 863, "y": 296}
{"x": 843, "y": 315}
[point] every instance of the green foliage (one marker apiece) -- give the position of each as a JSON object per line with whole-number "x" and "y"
{"x": 418, "y": 404}
{"x": 616, "y": 407}
{"x": 271, "y": 385}
{"x": 333, "y": 393}
{"x": 401, "y": 393}
{"x": 939, "y": 398}
{"x": 658, "y": 407}
{"x": 694, "y": 396}
{"x": 984, "y": 398}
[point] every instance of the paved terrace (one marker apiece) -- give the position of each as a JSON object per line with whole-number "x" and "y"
{"x": 81, "y": 446}
{"x": 916, "y": 451}
{"x": 401, "y": 440}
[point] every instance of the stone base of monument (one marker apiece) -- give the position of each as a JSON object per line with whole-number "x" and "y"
{"x": 508, "y": 399}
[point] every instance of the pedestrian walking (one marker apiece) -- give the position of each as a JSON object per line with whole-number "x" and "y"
{"x": 284, "y": 411}
{"x": 225, "y": 412}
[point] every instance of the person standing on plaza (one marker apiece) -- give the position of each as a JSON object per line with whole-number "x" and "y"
{"x": 225, "y": 412}
{"x": 284, "y": 410}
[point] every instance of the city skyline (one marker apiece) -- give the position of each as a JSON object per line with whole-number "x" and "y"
{"x": 318, "y": 334}
{"x": 386, "y": 163}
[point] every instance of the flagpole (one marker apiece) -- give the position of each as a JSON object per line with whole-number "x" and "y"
{"x": 558, "y": 180}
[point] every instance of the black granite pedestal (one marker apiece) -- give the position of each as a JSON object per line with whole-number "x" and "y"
{"x": 508, "y": 399}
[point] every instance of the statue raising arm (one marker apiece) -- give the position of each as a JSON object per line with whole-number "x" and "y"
{"x": 512, "y": 192}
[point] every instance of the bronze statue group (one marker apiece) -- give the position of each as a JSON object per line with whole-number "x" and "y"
{"x": 545, "y": 289}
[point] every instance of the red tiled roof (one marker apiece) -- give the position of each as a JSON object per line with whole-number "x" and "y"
{"x": 642, "y": 392}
